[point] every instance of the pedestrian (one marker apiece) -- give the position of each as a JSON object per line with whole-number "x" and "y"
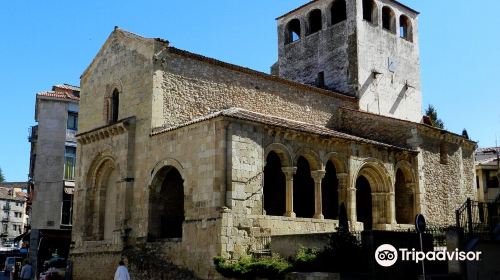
{"x": 122, "y": 272}
{"x": 26, "y": 271}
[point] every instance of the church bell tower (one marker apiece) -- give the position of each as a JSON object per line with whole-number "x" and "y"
{"x": 362, "y": 48}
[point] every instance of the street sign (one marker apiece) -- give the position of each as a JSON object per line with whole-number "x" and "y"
{"x": 420, "y": 224}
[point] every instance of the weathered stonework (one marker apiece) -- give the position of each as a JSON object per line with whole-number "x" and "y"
{"x": 207, "y": 158}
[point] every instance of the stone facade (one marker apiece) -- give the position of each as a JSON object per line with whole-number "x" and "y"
{"x": 355, "y": 53}
{"x": 187, "y": 158}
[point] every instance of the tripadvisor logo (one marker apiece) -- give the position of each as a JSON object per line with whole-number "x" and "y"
{"x": 386, "y": 255}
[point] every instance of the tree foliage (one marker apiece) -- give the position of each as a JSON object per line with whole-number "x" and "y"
{"x": 2, "y": 178}
{"x": 431, "y": 112}
{"x": 465, "y": 134}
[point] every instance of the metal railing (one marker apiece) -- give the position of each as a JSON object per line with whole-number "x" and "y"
{"x": 478, "y": 219}
{"x": 262, "y": 246}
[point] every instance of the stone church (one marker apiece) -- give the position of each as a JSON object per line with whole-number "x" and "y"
{"x": 192, "y": 158}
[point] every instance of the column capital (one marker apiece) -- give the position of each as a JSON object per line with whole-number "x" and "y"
{"x": 289, "y": 169}
{"x": 317, "y": 175}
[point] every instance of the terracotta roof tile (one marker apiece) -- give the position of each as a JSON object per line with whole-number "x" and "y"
{"x": 66, "y": 86}
{"x": 243, "y": 114}
{"x": 59, "y": 95}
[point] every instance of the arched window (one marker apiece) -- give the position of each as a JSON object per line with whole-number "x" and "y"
{"x": 292, "y": 32}
{"x": 370, "y": 11}
{"x": 115, "y": 105}
{"x": 166, "y": 205}
{"x": 388, "y": 19}
{"x": 338, "y": 11}
{"x": 274, "y": 186}
{"x": 405, "y": 28}
{"x": 303, "y": 190}
{"x": 315, "y": 21}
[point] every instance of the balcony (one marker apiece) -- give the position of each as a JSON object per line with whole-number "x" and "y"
{"x": 33, "y": 133}
{"x": 6, "y": 207}
{"x": 5, "y": 219}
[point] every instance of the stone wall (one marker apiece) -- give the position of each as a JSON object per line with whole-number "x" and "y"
{"x": 453, "y": 180}
{"x": 193, "y": 86}
{"x": 395, "y": 90}
{"x": 101, "y": 265}
{"x": 332, "y": 50}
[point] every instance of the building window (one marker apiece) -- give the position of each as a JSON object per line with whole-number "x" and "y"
{"x": 67, "y": 208}
{"x": 338, "y": 11}
{"x": 492, "y": 180}
{"x": 320, "y": 80}
{"x": 292, "y": 31}
{"x": 405, "y": 29}
{"x": 72, "y": 121}
{"x": 388, "y": 19}
{"x": 370, "y": 11}
{"x": 315, "y": 21}
{"x": 115, "y": 105}
{"x": 69, "y": 163}
{"x": 4, "y": 228}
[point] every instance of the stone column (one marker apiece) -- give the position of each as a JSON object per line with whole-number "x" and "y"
{"x": 391, "y": 208}
{"x": 318, "y": 175}
{"x": 342, "y": 188}
{"x": 289, "y": 172}
{"x": 351, "y": 204}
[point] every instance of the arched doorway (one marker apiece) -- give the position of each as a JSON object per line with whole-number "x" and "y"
{"x": 274, "y": 186}
{"x": 166, "y": 205}
{"x": 303, "y": 190}
{"x": 329, "y": 192}
{"x": 364, "y": 202}
{"x": 404, "y": 200}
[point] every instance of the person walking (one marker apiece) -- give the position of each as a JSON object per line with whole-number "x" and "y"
{"x": 26, "y": 272}
{"x": 122, "y": 272}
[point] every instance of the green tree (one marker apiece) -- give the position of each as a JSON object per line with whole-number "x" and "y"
{"x": 2, "y": 178}
{"x": 465, "y": 134}
{"x": 431, "y": 112}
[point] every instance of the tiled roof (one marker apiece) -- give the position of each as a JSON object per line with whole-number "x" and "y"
{"x": 66, "y": 86}
{"x": 4, "y": 194}
{"x": 246, "y": 115}
{"x": 487, "y": 156}
{"x": 21, "y": 185}
{"x": 58, "y": 95}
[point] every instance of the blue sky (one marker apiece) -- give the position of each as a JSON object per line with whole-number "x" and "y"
{"x": 49, "y": 42}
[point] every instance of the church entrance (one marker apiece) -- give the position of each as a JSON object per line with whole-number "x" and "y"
{"x": 166, "y": 205}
